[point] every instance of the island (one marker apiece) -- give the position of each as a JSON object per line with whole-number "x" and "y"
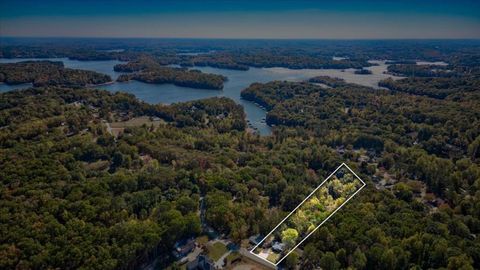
{"x": 45, "y": 73}
{"x": 362, "y": 71}
{"x": 326, "y": 80}
{"x": 177, "y": 76}
{"x": 423, "y": 70}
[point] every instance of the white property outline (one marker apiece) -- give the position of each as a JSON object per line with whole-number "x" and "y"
{"x": 308, "y": 235}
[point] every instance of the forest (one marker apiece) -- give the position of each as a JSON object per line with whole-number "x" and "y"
{"x": 423, "y": 70}
{"x": 131, "y": 194}
{"x": 328, "y": 81}
{"x": 74, "y": 194}
{"x": 420, "y": 140}
{"x": 177, "y": 76}
{"x": 46, "y": 73}
{"x": 149, "y": 69}
{"x": 241, "y": 60}
{"x": 362, "y": 71}
{"x": 309, "y": 215}
{"x": 433, "y": 87}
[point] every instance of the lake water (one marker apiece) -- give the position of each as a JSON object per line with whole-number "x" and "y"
{"x": 436, "y": 63}
{"x": 195, "y": 53}
{"x": 237, "y": 81}
{"x": 105, "y": 67}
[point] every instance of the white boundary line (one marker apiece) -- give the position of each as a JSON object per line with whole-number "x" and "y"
{"x": 308, "y": 235}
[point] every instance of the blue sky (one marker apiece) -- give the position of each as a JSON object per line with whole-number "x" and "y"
{"x": 348, "y": 19}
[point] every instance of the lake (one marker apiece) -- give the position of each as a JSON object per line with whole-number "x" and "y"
{"x": 237, "y": 81}
{"x": 105, "y": 67}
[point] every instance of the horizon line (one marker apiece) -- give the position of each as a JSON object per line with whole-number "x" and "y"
{"x": 233, "y": 38}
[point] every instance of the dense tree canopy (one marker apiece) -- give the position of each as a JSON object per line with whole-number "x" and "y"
{"x": 74, "y": 194}
{"x": 45, "y": 73}
{"x": 433, "y": 87}
{"x": 177, "y": 76}
{"x": 419, "y": 138}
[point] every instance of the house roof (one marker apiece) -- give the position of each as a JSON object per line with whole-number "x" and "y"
{"x": 201, "y": 262}
{"x": 278, "y": 246}
{"x": 183, "y": 247}
{"x": 255, "y": 239}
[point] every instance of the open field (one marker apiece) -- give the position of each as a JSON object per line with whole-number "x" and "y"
{"x": 115, "y": 128}
{"x": 216, "y": 250}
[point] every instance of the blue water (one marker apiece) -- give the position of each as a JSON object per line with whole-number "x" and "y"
{"x": 6, "y": 87}
{"x": 237, "y": 81}
{"x": 165, "y": 93}
{"x": 105, "y": 67}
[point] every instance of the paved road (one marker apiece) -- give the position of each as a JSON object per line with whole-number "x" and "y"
{"x": 219, "y": 263}
{"x": 246, "y": 253}
{"x": 194, "y": 254}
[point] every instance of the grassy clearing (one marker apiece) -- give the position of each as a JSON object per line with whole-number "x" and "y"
{"x": 136, "y": 122}
{"x": 118, "y": 127}
{"x": 202, "y": 240}
{"x": 273, "y": 257}
{"x": 97, "y": 165}
{"x": 216, "y": 250}
{"x": 233, "y": 256}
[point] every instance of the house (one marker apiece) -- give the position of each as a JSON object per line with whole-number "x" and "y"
{"x": 233, "y": 247}
{"x": 183, "y": 247}
{"x": 211, "y": 233}
{"x": 437, "y": 202}
{"x": 202, "y": 262}
{"x": 278, "y": 247}
{"x": 255, "y": 239}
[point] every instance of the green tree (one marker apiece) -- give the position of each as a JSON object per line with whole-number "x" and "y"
{"x": 289, "y": 236}
{"x": 329, "y": 262}
{"x": 359, "y": 260}
{"x": 461, "y": 262}
{"x": 291, "y": 260}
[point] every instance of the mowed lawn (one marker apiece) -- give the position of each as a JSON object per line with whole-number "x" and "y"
{"x": 136, "y": 122}
{"x": 202, "y": 240}
{"x": 273, "y": 257}
{"x": 119, "y": 127}
{"x": 216, "y": 250}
